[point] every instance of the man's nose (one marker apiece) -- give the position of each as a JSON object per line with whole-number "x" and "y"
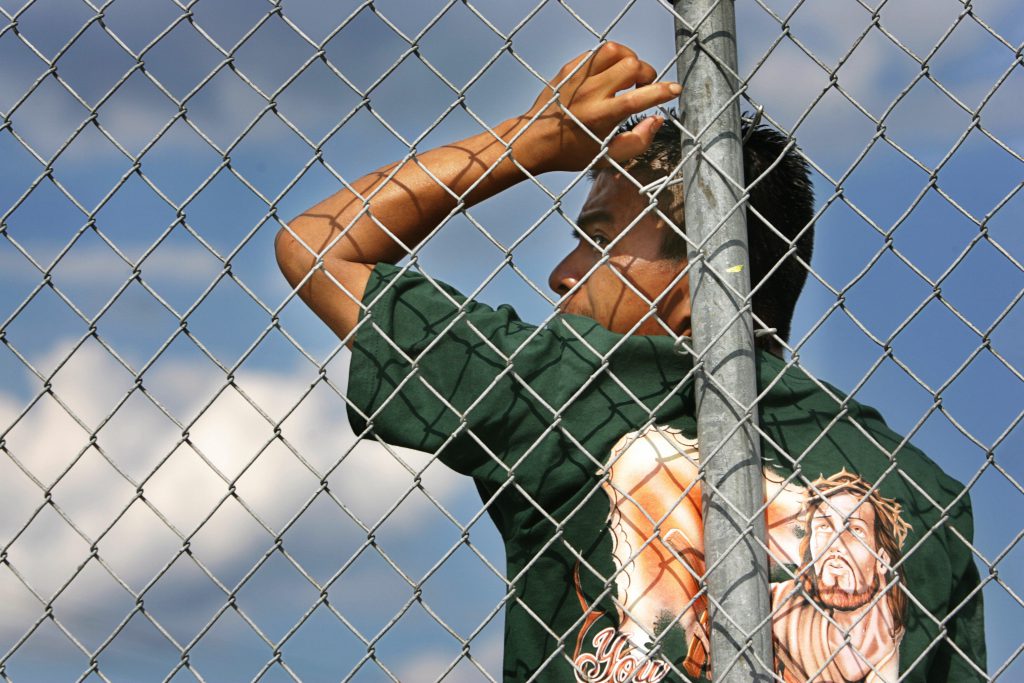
{"x": 563, "y": 278}
{"x": 844, "y": 540}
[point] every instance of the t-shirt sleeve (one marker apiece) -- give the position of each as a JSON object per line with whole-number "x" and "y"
{"x": 434, "y": 371}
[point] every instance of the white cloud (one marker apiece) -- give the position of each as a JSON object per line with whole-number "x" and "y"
{"x": 184, "y": 489}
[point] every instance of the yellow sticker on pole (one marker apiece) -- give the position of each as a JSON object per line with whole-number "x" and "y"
{"x": 735, "y": 269}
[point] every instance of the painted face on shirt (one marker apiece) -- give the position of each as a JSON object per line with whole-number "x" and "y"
{"x": 619, "y": 292}
{"x": 844, "y": 545}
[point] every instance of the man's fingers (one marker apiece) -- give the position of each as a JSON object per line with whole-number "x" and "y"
{"x": 613, "y": 68}
{"x": 625, "y": 146}
{"x": 598, "y": 61}
{"x": 624, "y": 74}
{"x": 607, "y": 56}
{"x": 635, "y": 101}
{"x": 569, "y": 69}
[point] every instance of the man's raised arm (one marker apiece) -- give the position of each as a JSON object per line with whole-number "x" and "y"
{"x": 409, "y": 203}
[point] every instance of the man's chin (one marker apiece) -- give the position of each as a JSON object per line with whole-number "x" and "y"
{"x": 834, "y": 597}
{"x": 572, "y": 310}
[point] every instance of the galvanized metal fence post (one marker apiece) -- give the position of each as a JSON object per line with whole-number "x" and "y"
{"x": 735, "y": 556}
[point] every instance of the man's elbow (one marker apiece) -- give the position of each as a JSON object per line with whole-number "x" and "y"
{"x": 294, "y": 257}
{"x": 331, "y": 287}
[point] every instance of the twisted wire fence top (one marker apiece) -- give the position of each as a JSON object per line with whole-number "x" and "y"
{"x": 183, "y": 498}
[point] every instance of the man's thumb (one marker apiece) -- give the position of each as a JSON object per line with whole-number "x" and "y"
{"x": 625, "y": 146}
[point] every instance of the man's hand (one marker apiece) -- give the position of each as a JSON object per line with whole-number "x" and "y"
{"x": 582, "y": 107}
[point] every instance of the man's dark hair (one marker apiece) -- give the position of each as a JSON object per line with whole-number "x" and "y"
{"x": 784, "y": 198}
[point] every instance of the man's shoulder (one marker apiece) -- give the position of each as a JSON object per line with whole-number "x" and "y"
{"x": 847, "y": 432}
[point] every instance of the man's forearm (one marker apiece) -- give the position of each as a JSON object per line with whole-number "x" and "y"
{"x": 394, "y": 208}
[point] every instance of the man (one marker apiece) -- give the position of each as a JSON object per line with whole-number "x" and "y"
{"x": 842, "y": 617}
{"x": 563, "y": 428}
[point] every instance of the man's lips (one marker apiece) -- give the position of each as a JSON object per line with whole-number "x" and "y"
{"x": 837, "y": 563}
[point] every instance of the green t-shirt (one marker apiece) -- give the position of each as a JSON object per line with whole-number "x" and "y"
{"x": 582, "y": 445}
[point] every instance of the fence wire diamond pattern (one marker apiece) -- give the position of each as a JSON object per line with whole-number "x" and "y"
{"x": 182, "y": 497}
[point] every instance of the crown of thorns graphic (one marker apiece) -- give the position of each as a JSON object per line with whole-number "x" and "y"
{"x": 887, "y": 510}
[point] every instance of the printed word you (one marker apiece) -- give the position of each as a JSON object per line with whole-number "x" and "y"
{"x": 616, "y": 662}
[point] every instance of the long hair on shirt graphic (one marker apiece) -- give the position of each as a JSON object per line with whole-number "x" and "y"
{"x": 838, "y": 539}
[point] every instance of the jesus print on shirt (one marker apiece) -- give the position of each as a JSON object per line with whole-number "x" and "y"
{"x": 838, "y": 618}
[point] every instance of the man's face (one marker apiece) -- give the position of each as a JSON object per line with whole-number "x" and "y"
{"x": 604, "y": 295}
{"x": 843, "y": 542}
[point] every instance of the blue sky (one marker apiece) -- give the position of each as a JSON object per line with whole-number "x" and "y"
{"x": 205, "y": 199}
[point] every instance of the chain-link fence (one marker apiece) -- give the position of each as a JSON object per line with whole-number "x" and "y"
{"x": 184, "y": 499}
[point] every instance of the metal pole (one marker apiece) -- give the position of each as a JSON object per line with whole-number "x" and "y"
{"x": 726, "y": 385}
